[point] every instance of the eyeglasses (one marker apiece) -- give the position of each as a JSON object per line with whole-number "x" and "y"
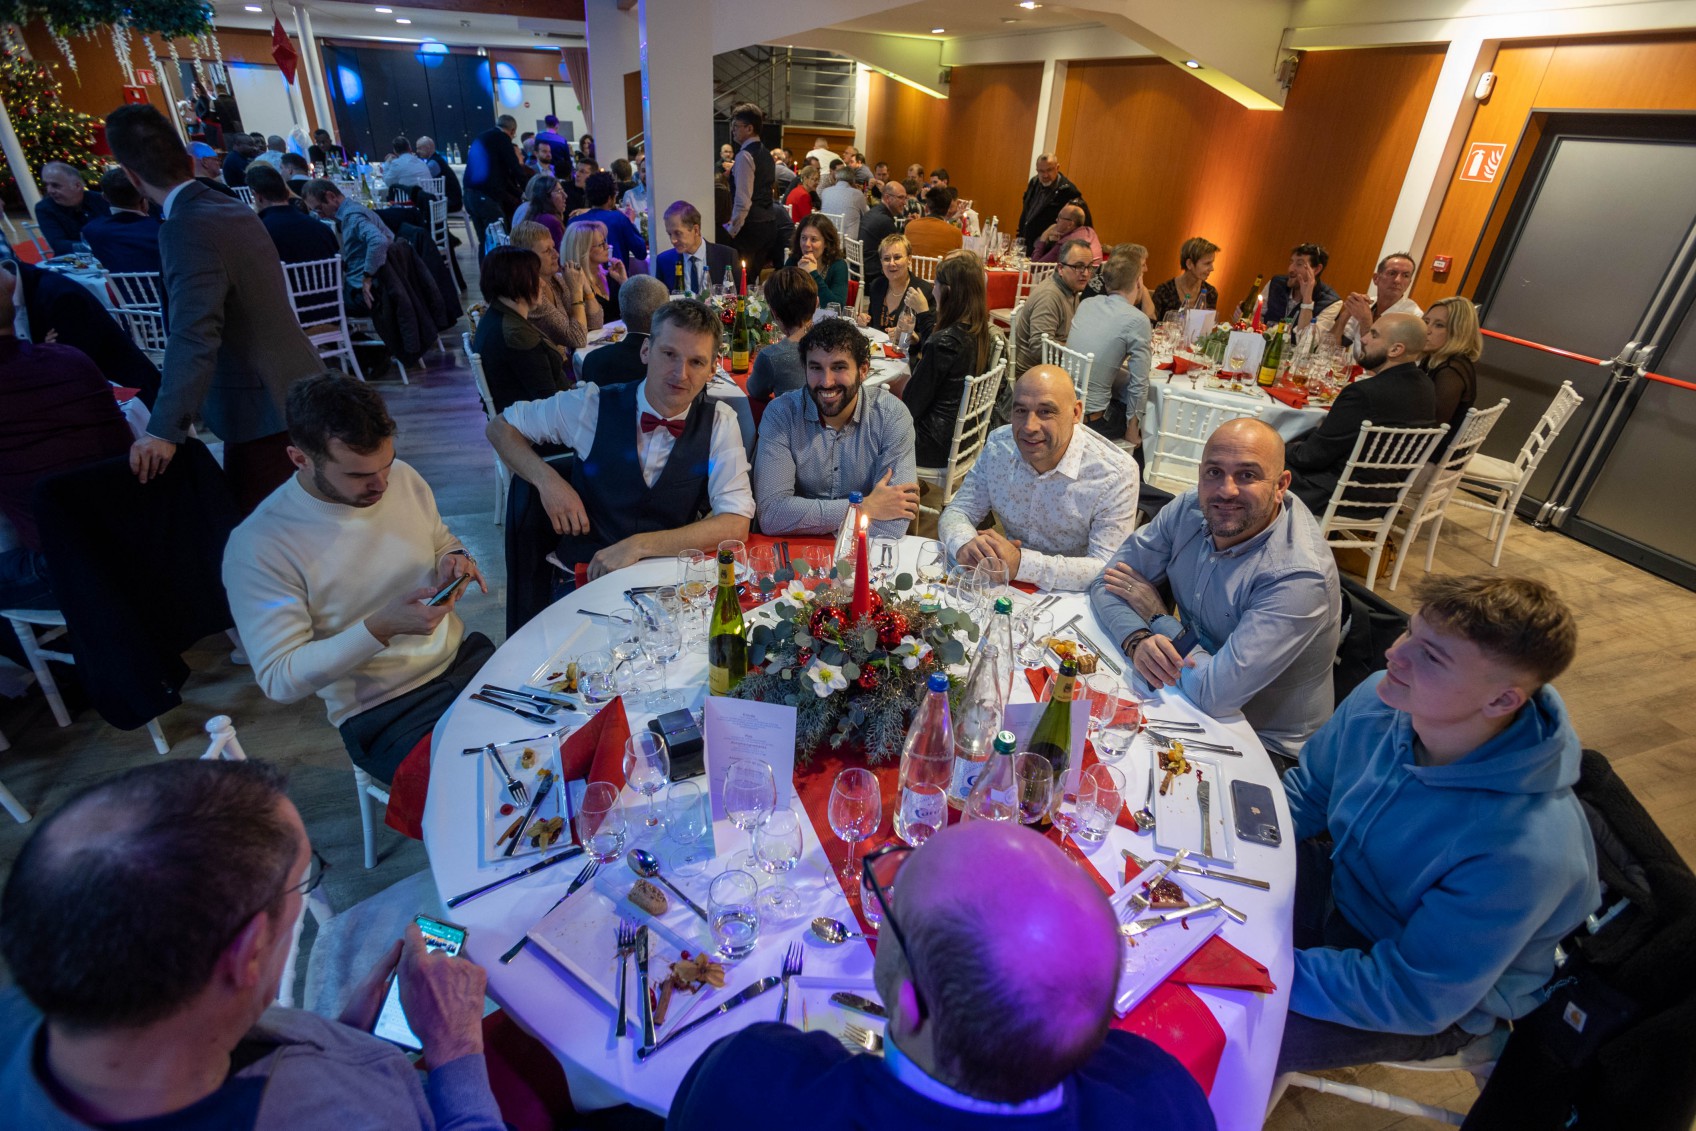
{"x": 896, "y": 855}
{"x": 1085, "y": 266}
{"x": 315, "y": 870}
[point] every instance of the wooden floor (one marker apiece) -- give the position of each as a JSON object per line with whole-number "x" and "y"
{"x": 1632, "y": 694}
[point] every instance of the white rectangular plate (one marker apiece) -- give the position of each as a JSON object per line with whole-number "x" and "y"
{"x": 1152, "y": 956}
{"x": 581, "y": 934}
{"x": 811, "y": 1009}
{"x": 494, "y": 795}
{"x": 1177, "y": 813}
{"x": 553, "y": 668}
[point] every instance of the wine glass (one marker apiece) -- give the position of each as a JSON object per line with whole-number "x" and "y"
{"x": 750, "y": 794}
{"x": 733, "y": 910}
{"x": 933, "y": 562}
{"x": 631, "y": 665}
{"x": 600, "y": 822}
{"x": 1033, "y": 777}
{"x": 855, "y": 811}
{"x": 777, "y": 846}
{"x": 647, "y": 769}
{"x": 1238, "y": 356}
{"x": 687, "y": 825}
{"x": 662, "y": 643}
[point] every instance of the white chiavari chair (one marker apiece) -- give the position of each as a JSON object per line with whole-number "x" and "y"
{"x": 1501, "y": 482}
{"x": 1378, "y": 476}
{"x": 1173, "y": 453}
{"x": 971, "y": 428}
{"x": 1075, "y": 363}
{"x": 1432, "y": 499}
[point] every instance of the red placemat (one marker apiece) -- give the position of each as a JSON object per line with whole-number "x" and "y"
{"x": 1295, "y": 398}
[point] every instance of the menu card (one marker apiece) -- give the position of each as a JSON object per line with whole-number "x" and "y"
{"x": 1252, "y": 346}
{"x": 1196, "y": 324}
{"x": 742, "y": 728}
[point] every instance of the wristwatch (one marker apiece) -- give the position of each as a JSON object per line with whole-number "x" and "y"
{"x": 1134, "y": 639}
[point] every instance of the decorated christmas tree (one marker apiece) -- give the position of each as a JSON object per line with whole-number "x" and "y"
{"x": 47, "y": 129}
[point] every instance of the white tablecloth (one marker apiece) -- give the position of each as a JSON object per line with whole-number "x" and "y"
{"x": 92, "y": 278}
{"x": 578, "y": 1026}
{"x": 1288, "y": 422}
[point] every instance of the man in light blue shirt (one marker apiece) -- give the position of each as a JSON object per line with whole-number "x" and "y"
{"x": 1253, "y": 626}
{"x": 405, "y": 168}
{"x": 834, "y": 437}
{"x": 365, "y": 239}
{"x": 1113, "y": 327}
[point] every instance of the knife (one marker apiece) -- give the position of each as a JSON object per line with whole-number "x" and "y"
{"x": 540, "y": 698}
{"x": 556, "y": 858}
{"x": 1192, "y": 743}
{"x": 1133, "y": 929}
{"x": 535, "y": 804}
{"x": 521, "y": 702}
{"x": 859, "y": 1005}
{"x": 753, "y": 991}
{"x": 646, "y": 1004}
{"x": 1141, "y": 899}
{"x": 1198, "y": 870}
{"x": 528, "y": 716}
{"x": 1204, "y": 798}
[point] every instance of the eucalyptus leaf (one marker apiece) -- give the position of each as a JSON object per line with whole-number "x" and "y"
{"x": 756, "y": 654}
{"x": 851, "y": 670}
{"x": 803, "y": 639}
{"x": 903, "y": 582}
{"x": 868, "y": 639}
{"x": 762, "y": 634}
{"x": 951, "y": 651}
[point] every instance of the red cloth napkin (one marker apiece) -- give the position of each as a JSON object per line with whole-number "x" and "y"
{"x": 596, "y": 750}
{"x": 1295, "y": 398}
{"x": 892, "y": 353}
{"x": 122, "y": 394}
{"x": 409, "y": 790}
{"x": 1179, "y": 366}
{"x": 1175, "y": 1019}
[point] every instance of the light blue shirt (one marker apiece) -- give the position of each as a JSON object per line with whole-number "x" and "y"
{"x": 1117, "y": 333}
{"x": 365, "y": 241}
{"x": 805, "y": 469}
{"x": 917, "y": 1079}
{"x": 1264, "y": 615}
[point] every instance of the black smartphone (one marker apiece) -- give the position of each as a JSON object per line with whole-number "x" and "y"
{"x": 448, "y": 590}
{"x": 391, "y": 1019}
{"x": 1257, "y": 820}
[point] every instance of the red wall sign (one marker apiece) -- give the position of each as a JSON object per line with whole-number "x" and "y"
{"x": 145, "y": 77}
{"x": 1483, "y": 161}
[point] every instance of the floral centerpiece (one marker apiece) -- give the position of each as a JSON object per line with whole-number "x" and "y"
{"x": 852, "y": 681}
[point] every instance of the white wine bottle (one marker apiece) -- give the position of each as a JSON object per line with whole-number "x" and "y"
{"x": 727, "y": 647}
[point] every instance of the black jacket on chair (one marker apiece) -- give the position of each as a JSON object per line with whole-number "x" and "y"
{"x": 138, "y": 571}
{"x": 1401, "y": 396}
{"x": 54, "y": 302}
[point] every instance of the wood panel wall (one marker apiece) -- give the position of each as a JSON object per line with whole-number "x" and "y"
{"x": 1635, "y": 73}
{"x": 981, "y": 133}
{"x": 1161, "y": 157}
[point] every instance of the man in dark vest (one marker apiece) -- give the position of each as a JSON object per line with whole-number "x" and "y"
{"x": 660, "y": 466}
{"x": 753, "y": 221}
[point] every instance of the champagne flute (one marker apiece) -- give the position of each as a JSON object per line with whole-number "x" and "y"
{"x": 855, "y": 811}
{"x": 1033, "y": 777}
{"x": 647, "y": 769}
{"x": 750, "y": 795}
{"x": 777, "y": 846}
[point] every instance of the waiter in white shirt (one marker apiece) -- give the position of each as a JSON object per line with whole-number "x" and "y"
{"x": 660, "y": 467}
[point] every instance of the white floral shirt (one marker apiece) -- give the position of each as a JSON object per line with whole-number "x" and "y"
{"x": 1069, "y": 520}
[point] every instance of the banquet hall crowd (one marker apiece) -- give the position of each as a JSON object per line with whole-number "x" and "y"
{"x": 1442, "y": 852}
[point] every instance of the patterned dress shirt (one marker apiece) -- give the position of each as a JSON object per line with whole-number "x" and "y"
{"x": 1070, "y": 519}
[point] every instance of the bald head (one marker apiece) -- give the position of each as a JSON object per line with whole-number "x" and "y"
{"x": 1243, "y": 480}
{"x": 975, "y": 904}
{"x": 1045, "y": 413}
{"x": 1394, "y": 339}
{"x": 1249, "y": 438}
{"x": 1050, "y": 382}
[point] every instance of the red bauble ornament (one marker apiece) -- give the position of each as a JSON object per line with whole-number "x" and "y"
{"x": 868, "y": 679}
{"x": 891, "y": 627}
{"x": 826, "y": 615}
{"x": 874, "y": 601}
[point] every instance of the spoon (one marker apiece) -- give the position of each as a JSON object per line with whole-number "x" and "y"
{"x": 835, "y": 932}
{"x": 1144, "y": 817}
{"x": 647, "y": 865}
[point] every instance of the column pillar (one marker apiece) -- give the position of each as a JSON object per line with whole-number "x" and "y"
{"x": 14, "y": 151}
{"x": 314, "y": 65}
{"x": 862, "y": 107}
{"x": 1049, "y": 101}
{"x": 613, "y": 53}
{"x": 677, "y": 105}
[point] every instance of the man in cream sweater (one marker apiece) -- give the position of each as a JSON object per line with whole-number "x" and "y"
{"x": 330, "y": 578}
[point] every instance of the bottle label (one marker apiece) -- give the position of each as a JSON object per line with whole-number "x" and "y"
{"x": 965, "y": 777}
{"x": 1064, "y": 686}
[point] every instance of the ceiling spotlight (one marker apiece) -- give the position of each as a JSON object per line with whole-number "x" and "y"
{"x": 1192, "y": 64}
{"x": 386, "y": 11}
{"x": 1029, "y": 5}
{"x": 254, "y": 8}
{"x": 937, "y": 30}
{"x": 402, "y": 20}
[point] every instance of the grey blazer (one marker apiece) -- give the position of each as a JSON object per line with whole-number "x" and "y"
{"x": 235, "y": 345}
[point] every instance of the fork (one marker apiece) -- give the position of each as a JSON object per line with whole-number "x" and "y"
{"x": 626, "y": 948}
{"x": 792, "y": 960}
{"x": 583, "y": 877}
{"x": 514, "y": 787}
{"x": 856, "y": 1039}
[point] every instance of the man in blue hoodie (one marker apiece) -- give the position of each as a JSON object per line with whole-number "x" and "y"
{"x": 1459, "y": 855}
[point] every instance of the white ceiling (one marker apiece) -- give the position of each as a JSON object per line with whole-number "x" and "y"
{"x": 334, "y": 20}
{"x": 962, "y": 19}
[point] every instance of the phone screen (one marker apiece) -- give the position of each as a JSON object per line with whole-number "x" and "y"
{"x": 391, "y": 1021}
{"x": 449, "y": 589}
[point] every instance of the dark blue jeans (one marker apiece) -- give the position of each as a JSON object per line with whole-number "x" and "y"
{"x": 1311, "y": 1044}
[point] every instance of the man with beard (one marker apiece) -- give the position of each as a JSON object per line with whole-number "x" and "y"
{"x": 1346, "y": 321}
{"x": 330, "y": 580}
{"x": 1399, "y": 394}
{"x": 1254, "y": 624}
{"x": 834, "y": 437}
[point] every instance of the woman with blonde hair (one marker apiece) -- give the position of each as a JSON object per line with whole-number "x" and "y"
{"x": 558, "y": 311}
{"x": 803, "y": 198}
{"x": 1452, "y": 347}
{"x": 957, "y": 350}
{"x": 586, "y": 247}
{"x": 896, "y": 294}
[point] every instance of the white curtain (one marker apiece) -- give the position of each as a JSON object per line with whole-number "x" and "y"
{"x": 577, "y": 73}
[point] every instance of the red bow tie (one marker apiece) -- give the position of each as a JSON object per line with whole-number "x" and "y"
{"x": 651, "y": 422}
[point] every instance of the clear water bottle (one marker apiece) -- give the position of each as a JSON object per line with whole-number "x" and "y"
{"x": 995, "y": 795}
{"x": 844, "y": 554}
{"x": 989, "y": 684}
{"x": 927, "y": 763}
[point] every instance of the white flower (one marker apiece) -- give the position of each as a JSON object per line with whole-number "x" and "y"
{"x": 795, "y": 592}
{"x": 912, "y": 651}
{"x": 826, "y": 678}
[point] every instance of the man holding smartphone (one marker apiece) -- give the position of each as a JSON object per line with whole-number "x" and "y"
{"x": 340, "y": 581}
{"x": 147, "y": 924}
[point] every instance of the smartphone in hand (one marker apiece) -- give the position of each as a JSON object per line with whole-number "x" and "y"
{"x": 446, "y": 592}
{"x": 391, "y": 1024}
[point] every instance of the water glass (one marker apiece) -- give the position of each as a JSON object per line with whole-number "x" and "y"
{"x": 1101, "y": 793}
{"x": 993, "y": 579}
{"x": 596, "y": 681}
{"x": 1119, "y": 731}
{"x": 750, "y": 795}
{"x": 630, "y": 664}
{"x": 763, "y": 561}
{"x": 883, "y": 553}
{"x": 738, "y": 550}
{"x": 647, "y": 769}
{"x": 600, "y": 822}
{"x": 733, "y": 910}
{"x": 1033, "y": 784}
{"x": 777, "y": 846}
{"x": 855, "y": 811}
{"x": 1031, "y": 631}
{"x": 687, "y": 825}
{"x": 1101, "y": 692}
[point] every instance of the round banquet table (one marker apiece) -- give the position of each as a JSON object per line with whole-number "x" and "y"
{"x": 577, "y": 1025}
{"x": 1288, "y": 422}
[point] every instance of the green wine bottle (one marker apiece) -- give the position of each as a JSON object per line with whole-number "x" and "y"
{"x": 1052, "y": 737}
{"x": 727, "y": 647}
{"x": 741, "y": 340}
